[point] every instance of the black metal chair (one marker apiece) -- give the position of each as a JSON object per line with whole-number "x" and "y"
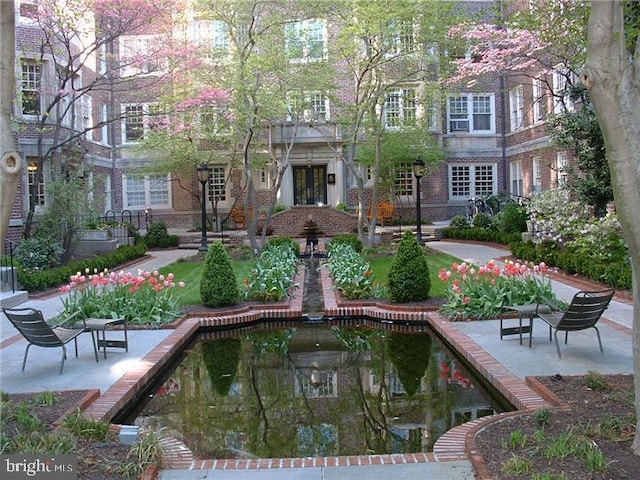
{"x": 583, "y": 312}
{"x": 33, "y": 327}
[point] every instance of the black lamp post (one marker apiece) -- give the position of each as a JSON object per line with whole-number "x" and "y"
{"x": 203, "y": 175}
{"x": 418, "y": 171}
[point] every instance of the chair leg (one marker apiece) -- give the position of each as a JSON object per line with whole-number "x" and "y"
{"x": 75, "y": 340}
{"x": 24, "y": 360}
{"x": 599, "y": 340}
{"x": 566, "y": 336}
{"x": 64, "y": 355}
{"x": 95, "y": 348}
{"x": 555, "y": 336}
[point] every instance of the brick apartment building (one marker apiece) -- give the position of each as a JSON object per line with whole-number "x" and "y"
{"x": 494, "y": 138}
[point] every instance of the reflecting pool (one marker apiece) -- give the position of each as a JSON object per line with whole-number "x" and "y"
{"x": 323, "y": 389}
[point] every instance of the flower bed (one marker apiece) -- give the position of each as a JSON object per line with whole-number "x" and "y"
{"x": 142, "y": 299}
{"x": 481, "y": 293}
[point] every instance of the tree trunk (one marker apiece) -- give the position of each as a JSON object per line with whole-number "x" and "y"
{"x": 10, "y": 161}
{"x": 614, "y": 86}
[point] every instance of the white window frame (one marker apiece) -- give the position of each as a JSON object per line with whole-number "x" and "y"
{"x": 473, "y": 173}
{"x": 144, "y": 46}
{"x": 213, "y": 34}
{"x": 404, "y": 182}
{"x": 41, "y": 190}
{"x": 104, "y": 129}
{"x": 145, "y": 108}
{"x": 31, "y": 80}
{"x": 516, "y": 108}
{"x": 517, "y": 179}
{"x": 315, "y": 103}
{"x": 539, "y": 98}
{"x": 562, "y": 101}
{"x": 149, "y": 181}
{"x": 536, "y": 174}
{"x": 218, "y": 184}
{"x": 403, "y": 37}
{"x": 461, "y": 120}
{"x": 306, "y": 33}
{"x": 561, "y": 169}
{"x": 400, "y": 108}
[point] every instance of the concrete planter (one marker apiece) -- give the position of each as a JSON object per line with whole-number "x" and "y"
{"x": 94, "y": 235}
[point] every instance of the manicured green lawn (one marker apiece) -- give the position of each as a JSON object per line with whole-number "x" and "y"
{"x": 190, "y": 272}
{"x": 380, "y": 267}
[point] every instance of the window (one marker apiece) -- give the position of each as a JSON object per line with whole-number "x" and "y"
{"x": 104, "y": 129}
{"x": 306, "y": 40}
{"x": 400, "y": 108}
{"x": 539, "y": 99}
{"x": 402, "y": 37}
{"x": 562, "y": 81}
{"x": 37, "y": 188}
{"x": 561, "y": 167}
{"x": 84, "y": 118}
{"x": 308, "y": 105}
{"x": 516, "y": 178}
{"x": 213, "y": 34}
{"x": 133, "y": 123}
{"x": 140, "y": 54}
{"x": 217, "y": 183}
{"x": 536, "y": 174}
{"x": 471, "y": 114}
{"x": 142, "y": 191}
{"x": 138, "y": 121}
{"x": 319, "y": 103}
{"x": 30, "y": 88}
{"x": 313, "y": 383}
{"x": 403, "y": 179}
{"x": 516, "y": 103}
{"x": 472, "y": 181}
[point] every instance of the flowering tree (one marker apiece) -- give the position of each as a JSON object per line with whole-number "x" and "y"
{"x": 612, "y": 75}
{"x": 192, "y": 116}
{"x": 73, "y": 36}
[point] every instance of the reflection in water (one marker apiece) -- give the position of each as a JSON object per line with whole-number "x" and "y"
{"x": 314, "y": 390}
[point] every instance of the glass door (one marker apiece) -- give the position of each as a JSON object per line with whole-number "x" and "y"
{"x": 310, "y": 185}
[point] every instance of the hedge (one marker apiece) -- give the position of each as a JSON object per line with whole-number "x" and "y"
{"x": 55, "y": 277}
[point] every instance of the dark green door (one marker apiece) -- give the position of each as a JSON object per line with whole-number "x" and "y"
{"x": 310, "y": 185}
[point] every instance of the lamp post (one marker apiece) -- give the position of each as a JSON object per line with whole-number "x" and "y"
{"x": 203, "y": 175}
{"x": 418, "y": 171}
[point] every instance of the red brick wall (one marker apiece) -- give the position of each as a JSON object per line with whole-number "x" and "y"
{"x": 290, "y": 222}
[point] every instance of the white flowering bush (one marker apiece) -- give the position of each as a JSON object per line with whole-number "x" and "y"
{"x": 601, "y": 239}
{"x": 556, "y": 217}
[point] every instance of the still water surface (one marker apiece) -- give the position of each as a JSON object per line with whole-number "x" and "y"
{"x": 300, "y": 390}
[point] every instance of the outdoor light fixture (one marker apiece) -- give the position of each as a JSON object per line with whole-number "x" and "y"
{"x": 203, "y": 176}
{"x": 418, "y": 171}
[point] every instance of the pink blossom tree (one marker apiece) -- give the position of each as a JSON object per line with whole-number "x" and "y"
{"x": 74, "y": 36}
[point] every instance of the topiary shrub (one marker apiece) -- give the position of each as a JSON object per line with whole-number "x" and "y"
{"x": 218, "y": 285}
{"x": 482, "y": 220}
{"x": 158, "y": 236}
{"x": 350, "y": 239}
{"x": 408, "y": 277}
{"x": 459, "y": 221}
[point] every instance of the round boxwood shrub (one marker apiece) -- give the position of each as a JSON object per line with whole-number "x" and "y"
{"x": 459, "y": 221}
{"x": 218, "y": 285}
{"x": 482, "y": 220}
{"x": 408, "y": 277}
{"x": 158, "y": 237}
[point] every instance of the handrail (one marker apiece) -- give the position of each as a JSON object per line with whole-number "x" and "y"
{"x": 7, "y": 272}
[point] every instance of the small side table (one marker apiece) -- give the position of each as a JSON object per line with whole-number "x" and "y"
{"x": 524, "y": 311}
{"x": 98, "y": 325}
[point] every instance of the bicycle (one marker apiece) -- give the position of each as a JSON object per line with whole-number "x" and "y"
{"x": 476, "y": 205}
